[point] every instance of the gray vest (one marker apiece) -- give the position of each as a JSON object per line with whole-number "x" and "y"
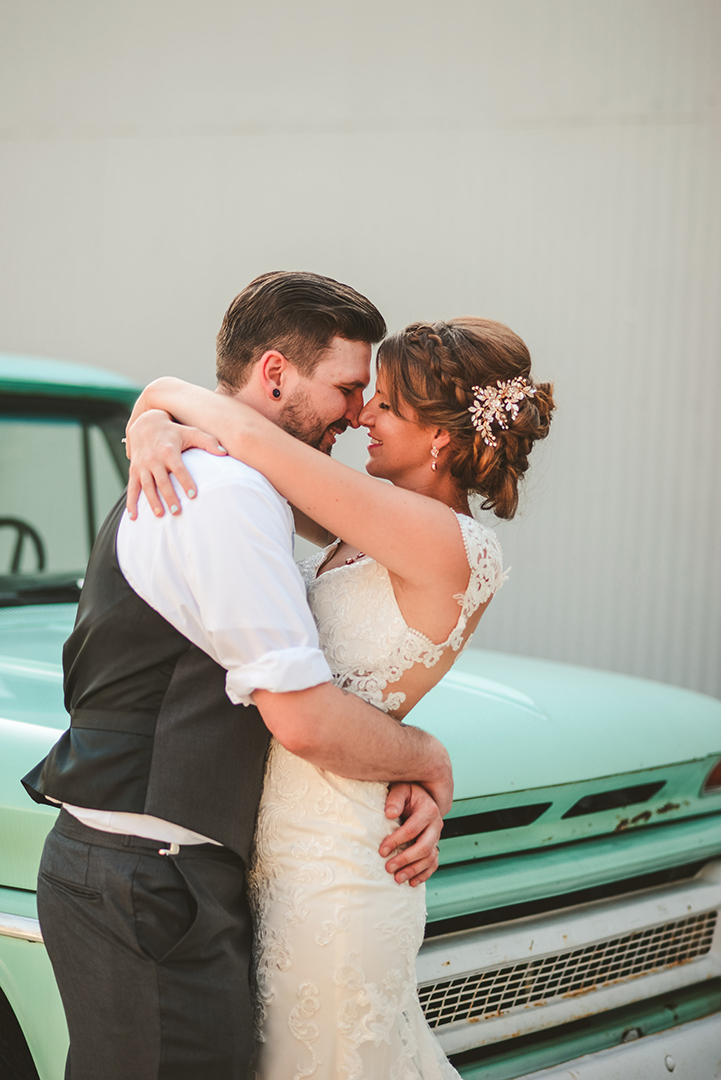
{"x": 152, "y": 730}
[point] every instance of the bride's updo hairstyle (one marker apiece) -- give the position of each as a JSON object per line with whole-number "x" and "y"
{"x": 433, "y": 369}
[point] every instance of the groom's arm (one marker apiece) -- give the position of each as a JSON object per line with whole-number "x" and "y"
{"x": 336, "y": 730}
{"x": 340, "y": 732}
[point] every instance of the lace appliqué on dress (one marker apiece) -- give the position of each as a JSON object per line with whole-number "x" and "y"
{"x": 362, "y": 632}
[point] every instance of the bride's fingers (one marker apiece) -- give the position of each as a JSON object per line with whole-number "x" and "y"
{"x": 154, "y": 482}
{"x": 131, "y": 499}
{"x": 185, "y": 480}
{"x": 194, "y": 437}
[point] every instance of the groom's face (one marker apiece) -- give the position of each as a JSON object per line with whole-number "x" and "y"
{"x": 320, "y": 407}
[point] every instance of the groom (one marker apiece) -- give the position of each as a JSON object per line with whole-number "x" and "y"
{"x": 193, "y": 643}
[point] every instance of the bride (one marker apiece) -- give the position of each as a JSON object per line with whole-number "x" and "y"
{"x": 400, "y": 585}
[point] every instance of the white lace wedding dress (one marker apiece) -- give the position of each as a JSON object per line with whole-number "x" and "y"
{"x": 336, "y": 936}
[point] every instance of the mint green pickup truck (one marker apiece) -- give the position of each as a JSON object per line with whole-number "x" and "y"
{"x": 573, "y": 924}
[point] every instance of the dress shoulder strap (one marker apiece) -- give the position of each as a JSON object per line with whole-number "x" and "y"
{"x": 485, "y": 560}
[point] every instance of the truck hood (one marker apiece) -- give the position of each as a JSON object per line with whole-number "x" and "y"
{"x": 511, "y": 723}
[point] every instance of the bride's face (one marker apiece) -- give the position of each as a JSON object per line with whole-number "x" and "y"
{"x": 399, "y": 448}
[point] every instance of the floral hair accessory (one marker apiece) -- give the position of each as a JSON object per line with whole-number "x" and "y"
{"x": 493, "y": 404}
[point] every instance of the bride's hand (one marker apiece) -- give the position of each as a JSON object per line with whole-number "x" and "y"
{"x": 421, "y": 830}
{"x": 154, "y": 445}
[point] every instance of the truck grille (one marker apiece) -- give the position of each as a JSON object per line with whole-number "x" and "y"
{"x": 578, "y": 971}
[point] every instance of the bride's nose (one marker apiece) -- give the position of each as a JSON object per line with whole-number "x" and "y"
{"x": 366, "y": 416}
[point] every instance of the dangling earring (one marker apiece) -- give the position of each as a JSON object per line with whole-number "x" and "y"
{"x": 434, "y": 455}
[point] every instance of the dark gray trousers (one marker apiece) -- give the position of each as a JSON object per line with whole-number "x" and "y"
{"x": 151, "y": 954}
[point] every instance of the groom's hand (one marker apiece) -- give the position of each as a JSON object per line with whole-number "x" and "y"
{"x": 420, "y": 830}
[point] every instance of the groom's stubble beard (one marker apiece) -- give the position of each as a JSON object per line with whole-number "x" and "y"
{"x": 299, "y": 420}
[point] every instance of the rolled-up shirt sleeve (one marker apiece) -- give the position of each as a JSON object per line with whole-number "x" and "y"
{"x": 222, "y": 573}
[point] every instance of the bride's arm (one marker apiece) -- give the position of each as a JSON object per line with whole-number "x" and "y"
{"x": 411, "y": 535}
{"x": 154, "y": 430}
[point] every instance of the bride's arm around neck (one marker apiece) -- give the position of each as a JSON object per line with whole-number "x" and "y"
{"x": 415, "y": 537}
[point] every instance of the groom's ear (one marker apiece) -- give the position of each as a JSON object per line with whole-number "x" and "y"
{"x": 273, "y": 371}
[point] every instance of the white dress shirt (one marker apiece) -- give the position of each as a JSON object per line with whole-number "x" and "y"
{"x": 222, "y": 573}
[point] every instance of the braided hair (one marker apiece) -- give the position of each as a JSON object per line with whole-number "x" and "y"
{"x": 433, "y": 367}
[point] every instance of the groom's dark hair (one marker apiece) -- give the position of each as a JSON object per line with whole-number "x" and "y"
{"x": 295, "y": 312}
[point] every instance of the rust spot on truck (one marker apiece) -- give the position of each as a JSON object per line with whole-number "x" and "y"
{"x": 668, "y": 808}
{"x": 581, "y": 990}
{"x": 624, "y": 823}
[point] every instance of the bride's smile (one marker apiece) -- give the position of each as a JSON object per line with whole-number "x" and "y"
{"x": 399, "y": 448}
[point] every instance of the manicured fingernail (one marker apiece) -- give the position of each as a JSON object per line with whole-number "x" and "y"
{"x": 131, "y": 515}
{"x": 173, "y": 509}
{"x": 191, "y": 493}
{"x": 222, "y": 449}
{"x": 158, "y": 512}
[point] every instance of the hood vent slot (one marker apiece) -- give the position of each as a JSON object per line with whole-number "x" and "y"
{"x": 512, "y": 817}
{"x": 614, "y": 800}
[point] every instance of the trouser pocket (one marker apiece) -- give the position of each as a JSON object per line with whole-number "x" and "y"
{"x": 81, "y": 892}
{"x": 164, "y": 907}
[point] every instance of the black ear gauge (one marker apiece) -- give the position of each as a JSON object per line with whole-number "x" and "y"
{"x": 276, "y": 392}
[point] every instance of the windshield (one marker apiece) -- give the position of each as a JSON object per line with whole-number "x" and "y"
{"x": 61, "y": 473}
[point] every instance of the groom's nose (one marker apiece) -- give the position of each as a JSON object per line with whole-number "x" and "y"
{"x": 355, "y": 407}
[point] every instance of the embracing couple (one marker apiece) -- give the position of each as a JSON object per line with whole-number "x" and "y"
{"x": 246, "y": 825}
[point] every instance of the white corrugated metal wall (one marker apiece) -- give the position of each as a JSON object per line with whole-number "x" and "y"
{"x": 555, "y": 164}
